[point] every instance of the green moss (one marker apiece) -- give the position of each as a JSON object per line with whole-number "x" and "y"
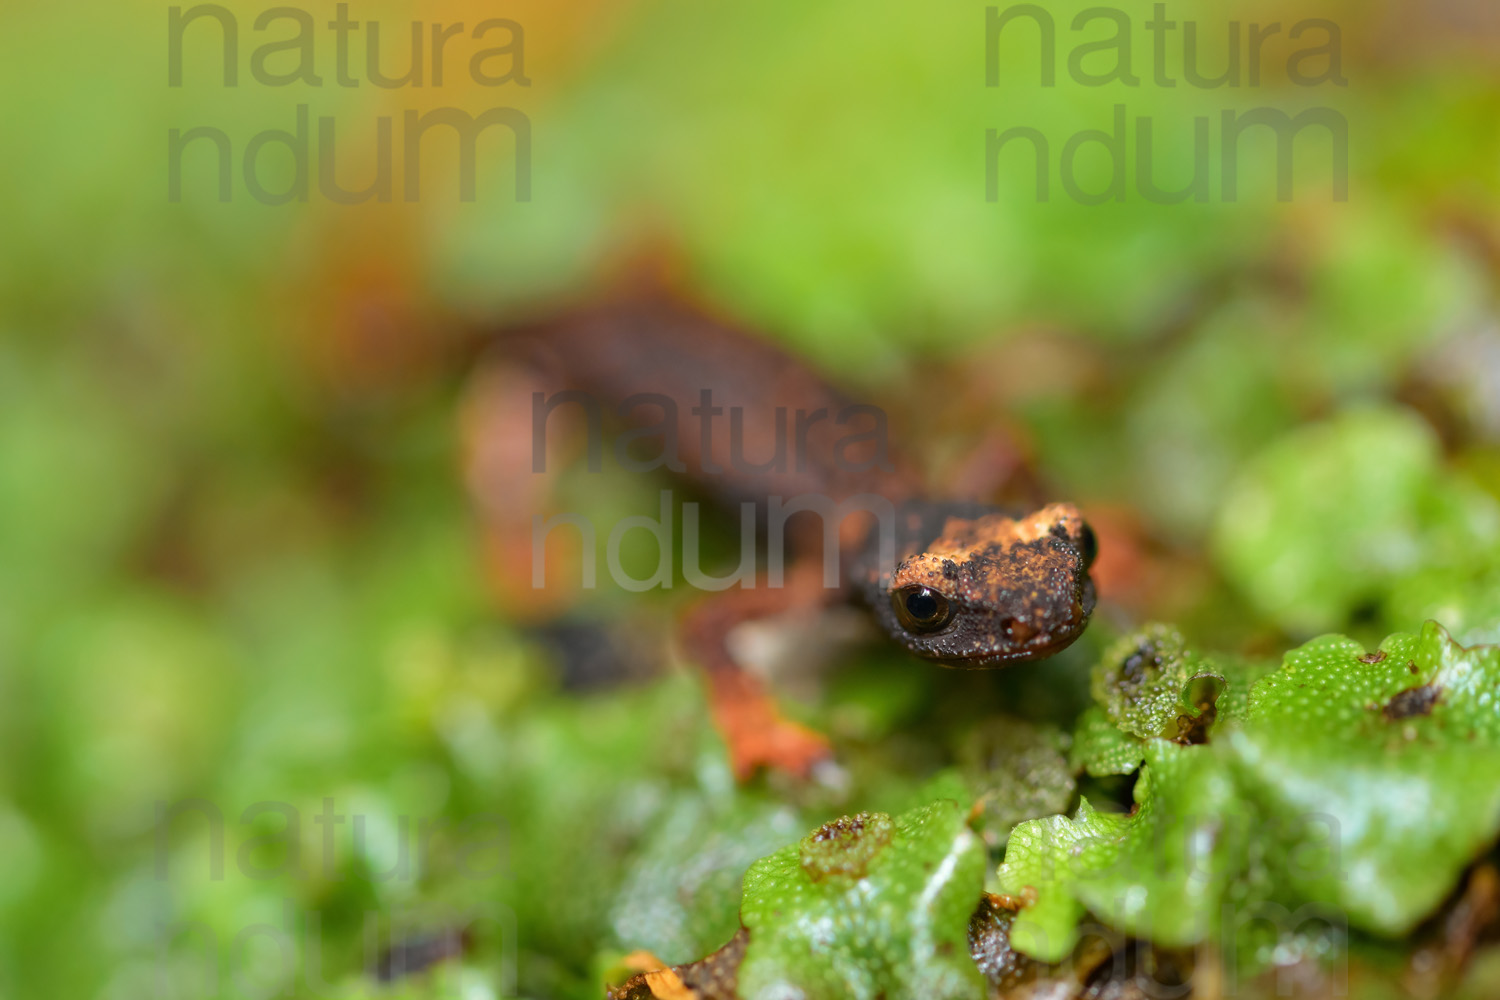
{"x": 1101, "y": 748}
{"x": 1397, "y": 755}
{"x": 1327, "y": 519}
{"x": 1150, "y": 684}
{"x": 1140, "y": 678}
{"x": 847, "y": 846}
{"x": 1016, "y": 770}
{"x": 1159, "y": 873}
{"x": 679, "y": 898}
{"x": 1346, "y": 788}
{"x": 867, "y": 907}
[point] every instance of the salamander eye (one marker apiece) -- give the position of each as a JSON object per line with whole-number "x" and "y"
{"x": 1088, "y": 546}
{"x": 921, "y": 609}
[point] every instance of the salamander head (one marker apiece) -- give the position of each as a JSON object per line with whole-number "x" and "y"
{"x": 992, "y": 589}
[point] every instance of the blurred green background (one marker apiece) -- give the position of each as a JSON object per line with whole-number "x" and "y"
{"x": 237, "y": 561}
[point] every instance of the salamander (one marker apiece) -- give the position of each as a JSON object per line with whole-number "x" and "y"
{"x": 961, "y": 583}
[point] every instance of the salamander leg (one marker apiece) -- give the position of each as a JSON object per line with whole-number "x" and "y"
{"x": 744, "y": 711}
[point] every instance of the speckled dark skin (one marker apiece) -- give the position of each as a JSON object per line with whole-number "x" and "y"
{"x": 1017, "y": 585}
